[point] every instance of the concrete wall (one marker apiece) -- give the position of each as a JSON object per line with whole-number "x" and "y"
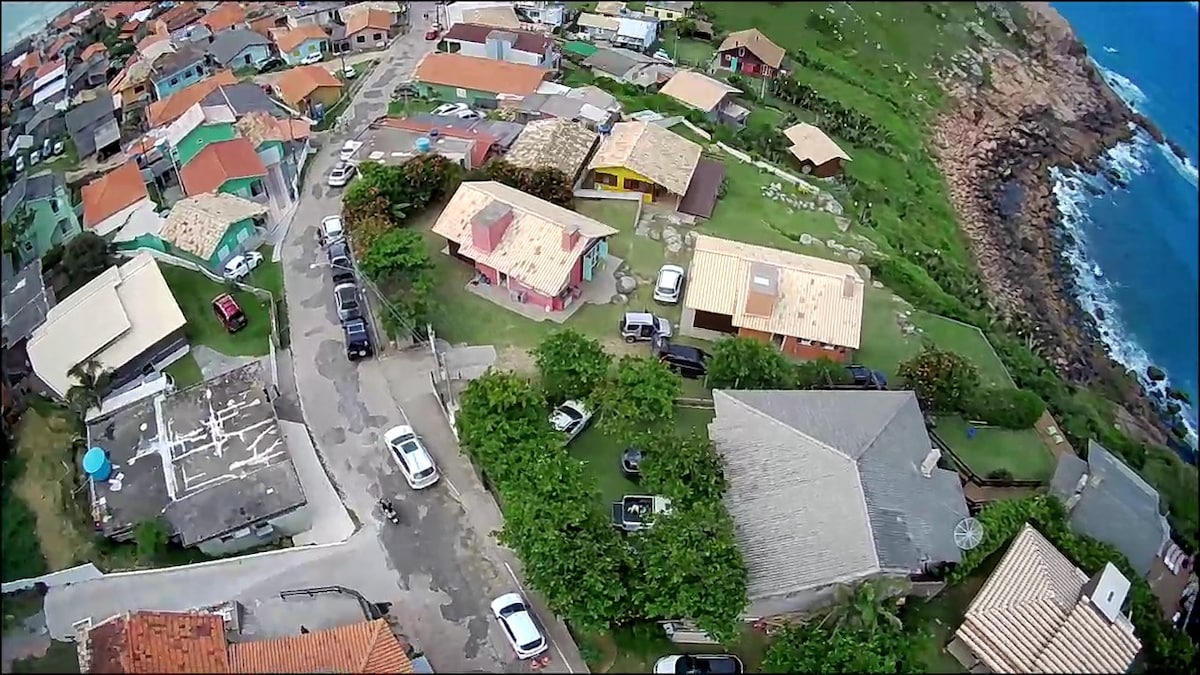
{"x": 293, "y": 522}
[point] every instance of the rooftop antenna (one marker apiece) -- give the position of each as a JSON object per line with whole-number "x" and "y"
{"x": 968, "y": 533}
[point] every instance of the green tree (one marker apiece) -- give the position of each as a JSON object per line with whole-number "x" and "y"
{"x": 545, "y": 182}
{"x": 746, "y": 363}
{"x": 943, "y": 381}
{"x": 637, "y": 398}
{"x": 821, "y": 373}
{"x": 15, "y": 229}
{"x": 1007, "y": 407}
{"x": 151, "y": 538}
{"x": 571, "y": 365}
{"x": 399, "y": 264}
{"x": 816, "y": 648}
{"x": 84, "y": 257}
{"x": 682, "y": 468}
{"x": 91, "y": 382}
{"x": 867, "y": 606}
{"x": 690, "y": 566}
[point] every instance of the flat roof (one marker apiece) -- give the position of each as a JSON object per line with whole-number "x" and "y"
{"x": 210, "y": 458}
{"x": 389, "y": 145}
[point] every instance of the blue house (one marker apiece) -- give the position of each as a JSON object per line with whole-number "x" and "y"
{"x": 176, "y": 70}
{"x": 297, "y": 44}
{"x": 239, "y": 48}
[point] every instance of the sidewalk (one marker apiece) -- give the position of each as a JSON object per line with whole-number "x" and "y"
{"x": 330, "y": 521}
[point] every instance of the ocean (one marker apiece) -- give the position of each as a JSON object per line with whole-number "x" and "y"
{"x": 26, "y": 18}
{"x": 1135, "y": 256}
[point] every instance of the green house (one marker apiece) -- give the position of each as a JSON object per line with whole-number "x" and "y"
{"x": 232, "y": 167}
{"x": 213, "y": 227}
{"x": 44, "y": 203}
{"x": 199, "y": 127}
{"x": 199, "y": 138}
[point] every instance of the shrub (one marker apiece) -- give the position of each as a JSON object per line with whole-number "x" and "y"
{"x": 1000, "y": 474}
{"x": 1007, "y": 407}
{"x": 746, "y": 363}
{"x": 942, "y": 380}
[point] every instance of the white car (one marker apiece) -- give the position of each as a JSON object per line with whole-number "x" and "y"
{"x": 467, "y": 114}
{"x": 410, "y": 454}
{"x": 331, "y": 230}
{"x": 669, "y": 284}
{"x": 698, "y": 664}
{"x": 35, "y": 157}
{"x": 59, "y": 147}
{"x": 348, "y": 150}
{"x": 239, "y": 266}
{"x": 341, "y": 174}
{"x": 450, "y": 108}
{"x": 519, "y": 627}
{"x": 312, "y": 58}
{"x": 349, "y": 72}
{"x": 570, "y": 418}
{"x": 20, "y": 165}
{"x": 662, "y": 55}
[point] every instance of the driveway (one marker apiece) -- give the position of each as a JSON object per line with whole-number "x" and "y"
{"x": 446, "y": 565}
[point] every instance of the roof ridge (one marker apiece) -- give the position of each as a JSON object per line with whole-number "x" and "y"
{"x": 372, "y": 642}
{"x": 895, "y": 412}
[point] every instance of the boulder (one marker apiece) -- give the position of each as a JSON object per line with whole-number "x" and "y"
{"x": 1155, "y": 374}
{"x": 626, "y": 285}
{"x": 620, "y": 298}
{"x": 806, "y": 239}
{"x": 655, "y": 235}
{"x": 853, "y": 255}
{"x": 843, "y": 224}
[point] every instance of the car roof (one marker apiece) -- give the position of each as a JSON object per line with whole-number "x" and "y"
{"x": 523, "y": 627}
{"x": 339, "y": 248}
{"x": 639, "y": 316}
{"x": 686, "y": 350}
{"x": 226, "y": 302}
{"x": 344, "y": 286}
{"x": 670, "y": 272}
{"x": 416, "y": 454}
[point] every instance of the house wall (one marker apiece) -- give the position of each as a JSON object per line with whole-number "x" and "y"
{"x": 306, "y": 48}
{"x": 747, "y": 63}
{"x": 132, "y": 96}
{"x": 663, "y": 14}
{"x": 54, "y": 222}
{"x": 831, "y": 168}
{"x": 293, "y": 522}
{"x": 812, "y": 599}
{"x": 444, "y": 93}
{"x": 326, "y": 96}
{"x": 250, "y": 56}
{"x": 815, "y": 350}
{"x": 232, "y": 242}
{"x": 532, "y": 297}
{"x": 371, "y": 39}
{"x": 620, "y": 175}
{"x": 510, "y": 55}
{"x": 166, "y": 85}
{"x": 242, "y": 187}
{"x": 158, "y": 356}
{"x": 199, "y": 138}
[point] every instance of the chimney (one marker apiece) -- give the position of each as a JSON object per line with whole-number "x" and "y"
{"x": 930, "y": 462}
{"x": 1106, "y": 591}
{"x": 570, "y": 237}
{"x": 850, "y": 285}
{"x": 488, "y": 226}
{"x": 763, "y": 291}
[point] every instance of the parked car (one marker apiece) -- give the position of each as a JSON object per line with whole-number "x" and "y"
{"x": 358, "y": 340}
{"x": 340, "y": 264}
{"x": 690, "y": 362}
{"x": 35, "y": 157}
{"x": 330, "y": 231}
{"x": 348, "y": 150}
{"x": 240, "y": 266}
{"x": 467, "y": 114}
{"x": 405, "y": 89}
{"x": 312, "y": 58}
{"x": 46, "y": 148}
{"x": 662, "y": 55}
{"x": 345, "y": 298}
{"x": 59, "y": 148}
{"x": 519, "y": 627}
{"x": 450, "y": 108}
{"x": 570, "y": 418}
{"x": 631, "y": 514}
{"x": 349, "y": 72}
{"x": 432, "y": 34}
{"x": 639, "y": 326}
{"x": 228, "y": 312}
{"x": 631, "y": 463}
{"x": 341, "y": 174}
{"x": 866, "y": 378}
{"x": 410, "y": 455}
{"x": 271, "y": 64}
{"x": 668, "y": 286}
{"x": 20, "y": 165}
{"x": 698, "y": 664}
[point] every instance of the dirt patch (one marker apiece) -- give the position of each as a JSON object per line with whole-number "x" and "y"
{"x": 45, "y": 444}
{"x": 618, "y": 347}
{"x": 515, "y": 359}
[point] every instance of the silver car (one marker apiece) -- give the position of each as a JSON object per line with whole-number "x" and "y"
{"x": 669, "y": 284}
{"x": 341, "y": 174}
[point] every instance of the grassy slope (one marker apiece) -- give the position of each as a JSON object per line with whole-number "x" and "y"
{"x": 194, "y": 293}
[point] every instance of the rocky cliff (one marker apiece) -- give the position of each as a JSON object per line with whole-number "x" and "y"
{"x": 1046, "y": 107}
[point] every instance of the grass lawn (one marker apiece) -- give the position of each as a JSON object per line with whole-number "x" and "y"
{"x": 194, "y": 293}
{"x": 61, "y": 657}
{"x": 687, "y": 51}
{"x": 185, "y": 372}
{"x": 67, "y": 161}
{"x": 1021, "y": 452}
{"x": 634, "y": 649}
{"x": 682, "y": 130}
{"x": 402, "y": 108}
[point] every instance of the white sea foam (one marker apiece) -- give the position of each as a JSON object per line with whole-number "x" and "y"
{"x": 1183, "y": 167}
{"x": 1123, "y": 87}
{"x": 1074, "y": 190}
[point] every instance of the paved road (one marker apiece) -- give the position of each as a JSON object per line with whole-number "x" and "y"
{"x": 332, "y": 65}
{"x": 446, "y": 565}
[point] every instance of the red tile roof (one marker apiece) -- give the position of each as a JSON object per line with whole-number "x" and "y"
{"x": 107, "y": 195}
{"x": 92, "y": 50}
{"x": 172, "y": 107}
{"x": 477, "y": 33}
{"x": 479, "y": 74}
{"x": 47, "y": 68}
{"x": 287, "y": 40}
{"x": 160, "y": 642}
{"x": 297, "y": 84}
{"x": 225, "y": 16}
{"x": 368, "y": 18}
{"x": 221, "y": 162}
{"x": 368, "y": 647}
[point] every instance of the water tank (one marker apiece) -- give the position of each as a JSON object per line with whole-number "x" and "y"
{"x": 433, "y": 133}
{"x": 423, "y": 144}
{"x": 96, "y": 464}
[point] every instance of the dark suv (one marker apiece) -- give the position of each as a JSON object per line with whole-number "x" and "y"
{"x": 866, "y": 378}
{"x": 358, "y": 340}
{"x": 339, "y": 262}
{"x": 688, "y": 361}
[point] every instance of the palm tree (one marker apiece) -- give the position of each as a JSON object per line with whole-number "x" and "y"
{"x": 14, "y": 230}
{"x": 866, "y": 606}
{"x": 92, "y": 380}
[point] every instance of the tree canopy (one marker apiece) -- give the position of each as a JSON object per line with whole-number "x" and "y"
{"x": 746, "y": 363}
{"x": 571, "y": 365}
{"x": 637, "y": 398}
{"x": 681, "y": 467}
{"x": 943, "y": 381}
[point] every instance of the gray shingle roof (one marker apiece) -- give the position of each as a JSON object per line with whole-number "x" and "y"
{"x": 611, "y": 62}
{"x": 228, "y": 44}
{"x": 28, "y": 188}
{"x": 826, "y": 486}
{"x": 24, "y": 303}
{"x": 85, "y": 115}
{"x": 1115, "y": 506}
{"x": 244, "y": 98}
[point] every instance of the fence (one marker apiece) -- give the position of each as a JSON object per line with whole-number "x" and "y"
{"x": 613, "y": 195}
{"x": 966, "y": 472}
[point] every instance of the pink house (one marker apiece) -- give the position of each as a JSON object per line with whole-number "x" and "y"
{"x": 540, "y": 253}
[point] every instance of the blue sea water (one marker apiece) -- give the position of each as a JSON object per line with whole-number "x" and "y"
{"x": 1136, "y": 253}
{"x": 26, "y": 18}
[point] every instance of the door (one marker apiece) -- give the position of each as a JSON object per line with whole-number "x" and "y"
{"x": 591, "y": 260}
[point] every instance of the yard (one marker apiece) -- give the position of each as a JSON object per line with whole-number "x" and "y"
{"x": 194, "y": 293}
{"x": 1021, "y": 453}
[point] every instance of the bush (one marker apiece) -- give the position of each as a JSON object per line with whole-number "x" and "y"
{"x": 1000, "y": 474}
{"x": 821, "y": 373}
{"x": 151, "y": 537}
{"x": 547, "y": 183}
{"x": 943, "y": 381}
{"x": 571, "y": 365}
{"x": 746, "y": 363}
{"x": 1007, "y": 407}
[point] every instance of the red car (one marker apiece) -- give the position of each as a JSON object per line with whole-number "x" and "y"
{"x": 432, "y": 33}
{"x": 228, "y": 312}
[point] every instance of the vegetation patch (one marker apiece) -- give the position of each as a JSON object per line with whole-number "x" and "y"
{"x": 194, "y": 293}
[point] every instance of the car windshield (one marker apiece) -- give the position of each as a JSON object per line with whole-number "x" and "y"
{"x": 530, "y": 646}
{"x": 347, "y": 296}
{"x": 424, "y": 473}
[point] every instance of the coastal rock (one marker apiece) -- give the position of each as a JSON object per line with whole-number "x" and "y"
{"x": 1178, "y": 395}
{"x": 806, "y": 239}
{"x": 1155, "y": 374}
{"x": 620, "y": 298}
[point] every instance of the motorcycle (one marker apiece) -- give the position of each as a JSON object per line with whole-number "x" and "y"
{"x": 389, "y": 511}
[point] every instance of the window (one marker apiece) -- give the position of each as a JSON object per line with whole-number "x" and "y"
{"x": 606, "y": 179}
{"x": 246, "y": 59}
{"x": 360, "y": 39}
{"x": 806, "y": 343}
{"x": 174, "y": 81}
{"x": 378, "y": 37}
{"x": 243, "y": 235}
{"x": 256, "y": 188}
{"x": 54, "y": 206}
{"x": 139, "y": 89}
{"x": 64, "y": 226}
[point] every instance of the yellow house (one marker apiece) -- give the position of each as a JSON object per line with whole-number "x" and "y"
{"x": 646, "y": 158}
{"x": 668, "y": 11}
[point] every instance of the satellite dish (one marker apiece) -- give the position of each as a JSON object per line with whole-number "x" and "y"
{"x": 968, "y": 532}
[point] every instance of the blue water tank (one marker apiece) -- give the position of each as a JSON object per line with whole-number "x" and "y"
{"x": 96, "y": 464}
{"x": 423, "y": 144}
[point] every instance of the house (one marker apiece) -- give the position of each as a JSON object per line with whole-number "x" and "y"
{"x": 321, "y": 14}
{"x": 45, "y": 201}
{"x": 308, "y": 87}
{"x": 197, "y": 128}
{"x": 540, "y": 253}
{"x": 232, "y": 167}
{"x": 638, "y": 33}
{"x": 395, "y": 11}
{"x": 24, "y": 303}
{"x": 239, "y": 48}
{"x": 130, "y": 84}
{"x": 176, "y": 21}
{"x": 750, "y": 52}
{"x": 494, "y": 14}
{"x": 212, "y": 465}
{"x": 664, "y": 166}
{"x": 817, "y": 153}
{"x": 165, "y": 111}
{"x": 212, "y": 642}
{"x": 807, "y": 307}
{"x": 554, "y": 143}
{"x": 94, "y": 49}
{"x": 1038, "y": 613}
{"x": 225, "y": 16}
{"x": 668, "y": 11}
{"x": 543, "y": 15}
{"x": 88, "y": 74}
{"x": 628, "y": 66}
{"x": 574, "y": 108}
{"x": 366, "y": 29}
{"x": 711, "y": 97}
{"x": 133, "y": 321}
{"x": 119, "y": 12}
{"x": 282, "y": 143}
{"x": 176, "y": 70}
{"x": 393, "y": 140}
{"x": 611, "y": 8}
{"x": 213, "y": 227}
{"x": 831, "y": 488}
{"x": 480, "y": 82}
{"x": 117, "y": 205}
{"x": 297, "y": 44}
{"x": 1108, "y": 501}
{"x": 513, "y": 46}
{"x": 47, "y": 123}
{"x": 501, "y": 133}
{"x": 244, "y": 98}
{"x": 50, "y": 85}
{"x": 597, "y": 27}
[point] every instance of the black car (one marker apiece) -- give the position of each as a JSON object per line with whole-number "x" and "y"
{"x": 688, "y": 361}
{"x": 631, "y": 463}
{"x": 340, "y": 263}
{"x": 358, "y": 340}
{"x": 273, "y": 63}
{"x": 866, "y": 378}
{"x": 405, "y": 89}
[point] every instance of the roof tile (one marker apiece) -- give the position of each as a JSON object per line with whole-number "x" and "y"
{"x": 296, "y": 84}
{"x": 159, "y": 642}
{"x": 221, "y": 162}
{"x": 368, "y": 647}
{"x": 171, "y": 108}
{"x": 479, "y": 74}
{"x": 287, "y": 40}
{"x": 118, "y": 189}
